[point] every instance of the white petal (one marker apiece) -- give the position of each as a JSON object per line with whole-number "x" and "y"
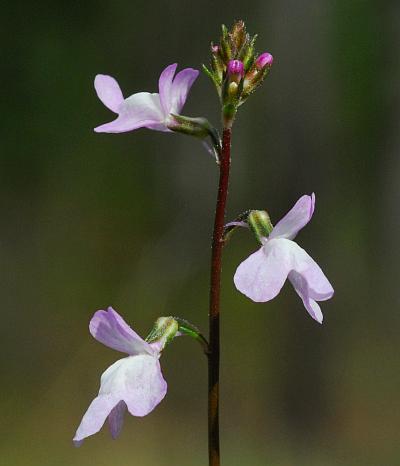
{"x": 141, "y": 110}
{"x": 108, "y": 91}
{"x": 138, "y": 381}
{"x": 318, "y": 285}
{"x": 262, "y": 275}
{"x": 299, "y": 215}
{"x": 300, "y": 285}
{"x": 95, "y": 417}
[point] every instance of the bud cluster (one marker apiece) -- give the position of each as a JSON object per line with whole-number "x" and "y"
{"x": 236, "y": 69}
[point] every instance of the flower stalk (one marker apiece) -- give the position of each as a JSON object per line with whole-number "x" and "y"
{"x": 215, "y": 291}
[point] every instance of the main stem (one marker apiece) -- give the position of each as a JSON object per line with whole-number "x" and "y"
{"x": 215, "y": 288}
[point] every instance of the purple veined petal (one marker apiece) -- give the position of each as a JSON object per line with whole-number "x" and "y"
{"x": 300, "y": 285}
{"x": 180, "y": 88}
{"x": 318, "y": 286}
{"x": 262, "y": 275}
{"x": 109, "y": 328}
{"x": 116, "y": 419}
{"x": 295, "y": 219}
{"x": 95, "y": 417}
{"x": 108, "y": 91}
{"x": 141, "y": 110}
{"x": 138, "y": 381}
{"x": 165, "y": 87}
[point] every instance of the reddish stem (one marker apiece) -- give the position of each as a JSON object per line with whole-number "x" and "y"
{"x": 215, "y": 288}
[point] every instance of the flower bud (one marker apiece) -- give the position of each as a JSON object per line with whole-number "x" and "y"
{"x": 235, "y": 70}
{"x": 257, "y": 73}
{"x": 238, "y": 35}
{"x": 226, "y": 44}
{"x": 233, "y": 90}
{"x": 163, "y": 332}
{"x": 217, "y": 66}
{"x": 260, "y": 223}
{"x": 265, "y": 59}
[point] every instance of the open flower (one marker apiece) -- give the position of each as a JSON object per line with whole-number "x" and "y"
{"x": 134, "y": 382}
{"x": 262, "y": 275}
{"x": 145, "y": 110}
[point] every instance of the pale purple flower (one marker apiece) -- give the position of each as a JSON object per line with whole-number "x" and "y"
{"x": 145, "y": 110}
{"x": 134, "y": 382}
{"x": 262, "y": 275}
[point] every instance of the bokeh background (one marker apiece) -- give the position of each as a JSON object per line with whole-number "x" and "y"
{"x": 90, "y": 220}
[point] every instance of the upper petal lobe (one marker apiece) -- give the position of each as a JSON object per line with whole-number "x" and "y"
{"x": 109, "y": 328}
{"x": 298, "y": 217}
{"x": 108, "y": 91}
{"x": 165, "y": 87}
{"x": 180, "y": 88}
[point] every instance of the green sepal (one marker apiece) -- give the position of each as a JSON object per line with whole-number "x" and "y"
{"x": 198, "y": 127}
{"x": 213, "y": 78}
{"x": 163, "y": 332}
{"x": 247, "y": 54}
{"x": 226, "y": 49}
{"x": 260, "y": 223}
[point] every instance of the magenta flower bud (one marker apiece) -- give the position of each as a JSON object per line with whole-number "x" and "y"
{"x": 265, "y": 59}
{"x": 235, "y": 67}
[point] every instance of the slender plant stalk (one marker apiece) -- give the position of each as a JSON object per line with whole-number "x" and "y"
{"x": 215, "y": 287}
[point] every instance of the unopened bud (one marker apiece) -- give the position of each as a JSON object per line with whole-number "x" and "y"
{"x": 214, "y": 48}
{"x": 235, "y": 69}
{"x": 163, "y": 332}
{"x": 238, "y": 34}
{"x": 260, "y": 223}
{"x": 232, "y": 90}
{"x": 257, "y": 73}
{"x": 264, "y": 60}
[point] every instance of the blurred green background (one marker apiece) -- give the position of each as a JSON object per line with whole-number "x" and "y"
{"x": 90, "y": 220}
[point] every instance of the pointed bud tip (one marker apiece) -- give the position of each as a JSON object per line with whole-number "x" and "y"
{"x": 264, "y": 60}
